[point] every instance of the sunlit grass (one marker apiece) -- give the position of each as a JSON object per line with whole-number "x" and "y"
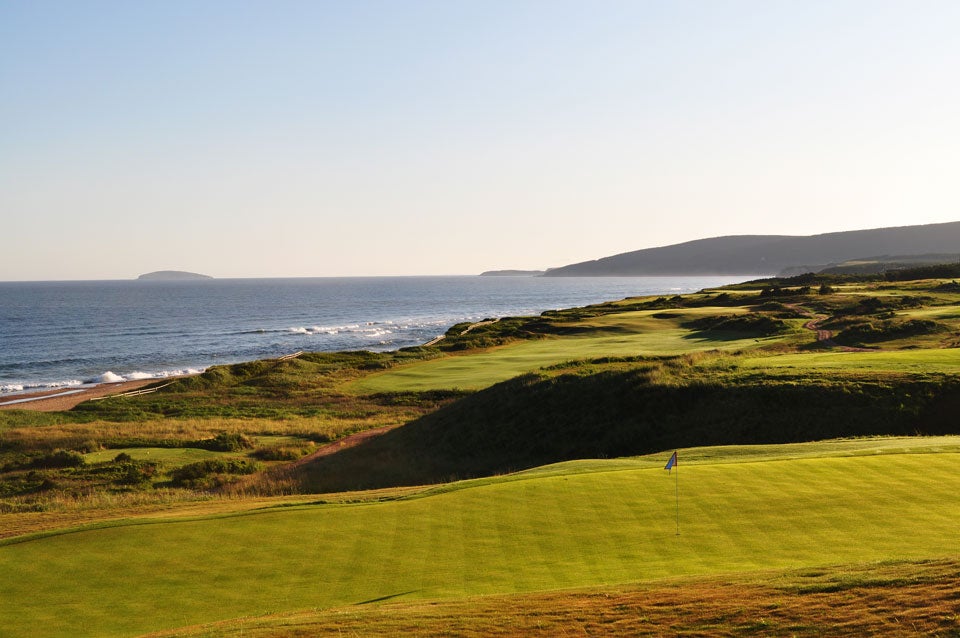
{"x": 618, "y": 335}
{"x": 837, "y": 601}
{"x": 945, "y": 360}
{"x": 168, "y": 457}
{"x": 550, "y": 531}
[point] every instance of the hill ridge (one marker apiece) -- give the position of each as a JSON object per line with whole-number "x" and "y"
{"x": 769, "y": 254}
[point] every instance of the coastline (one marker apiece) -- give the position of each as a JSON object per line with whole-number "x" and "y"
{"x": 60, "y": 343}
{"x": 57, "y": 400}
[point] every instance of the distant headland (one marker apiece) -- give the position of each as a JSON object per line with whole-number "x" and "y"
{"x": 172, "y": 275}
{"x": 871, "y": 250}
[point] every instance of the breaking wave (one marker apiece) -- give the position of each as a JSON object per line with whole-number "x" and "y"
{"x": 112, "y": 377}
{"x": 245, "y": 320}
{"x": 38, "y": 387}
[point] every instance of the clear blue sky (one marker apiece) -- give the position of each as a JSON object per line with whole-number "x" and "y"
{"x": 313, "y": 138}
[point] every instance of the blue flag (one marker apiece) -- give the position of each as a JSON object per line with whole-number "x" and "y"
{"x": 671, "y": 462}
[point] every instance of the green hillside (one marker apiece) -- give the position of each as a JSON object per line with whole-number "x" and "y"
{"x": 770, "y": 254}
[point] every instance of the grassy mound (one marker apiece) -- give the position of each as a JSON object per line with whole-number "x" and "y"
{"x": 864, "y": 332}
{"x": 534, "y": 420}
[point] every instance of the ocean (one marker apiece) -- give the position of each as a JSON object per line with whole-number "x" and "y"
{"x": 73, "y": 334}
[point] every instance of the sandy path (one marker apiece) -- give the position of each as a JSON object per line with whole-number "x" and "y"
{"x": 824, "y": 336}
{"x": 67, "y": 401}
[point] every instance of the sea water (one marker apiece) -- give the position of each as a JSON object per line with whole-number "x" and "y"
{"x": 65, "y": 334}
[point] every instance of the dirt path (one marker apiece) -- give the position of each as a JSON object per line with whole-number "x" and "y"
{"x": 824, "y": 336}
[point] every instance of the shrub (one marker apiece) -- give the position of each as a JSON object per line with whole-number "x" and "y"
{"x": 750, "y": 323}
{"x": 136, "y": 472}
{"x": 284, "y": 453}
{"x": 198, "y": 475}
{"x": 225, "y": 442}
{"x": 89, "y": 446}
{"x": 57, "y": 459}
{"x": 869, "y": 331}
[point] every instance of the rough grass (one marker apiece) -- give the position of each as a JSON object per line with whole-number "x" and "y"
{"x": 525, "y": 534}
{"x": 889, "y": 599}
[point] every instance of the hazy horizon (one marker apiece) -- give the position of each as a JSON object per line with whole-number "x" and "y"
{"x": 370, "y": 138}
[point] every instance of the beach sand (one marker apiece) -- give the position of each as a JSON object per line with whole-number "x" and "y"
{"x": 66, "y": 401}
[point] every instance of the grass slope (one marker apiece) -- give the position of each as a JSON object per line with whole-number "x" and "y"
{"x": 542, "y": 531}
{"x": 890, "y": 599}
{"x": 617, "y": 335}
{"x": 535, "y": 420}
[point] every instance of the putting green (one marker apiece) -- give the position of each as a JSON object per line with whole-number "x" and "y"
{"x": 535, "y": 532}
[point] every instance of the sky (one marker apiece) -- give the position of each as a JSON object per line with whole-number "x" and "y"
{"x": 278, "y": 138}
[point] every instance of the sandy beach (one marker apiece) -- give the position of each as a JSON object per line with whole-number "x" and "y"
{"x": 57, "y": 400}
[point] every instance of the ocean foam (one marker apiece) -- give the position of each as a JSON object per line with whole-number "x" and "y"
{"x": 329, "y": 330}
{"x": 37, "y": 387}
{"x": 111, "y": 377}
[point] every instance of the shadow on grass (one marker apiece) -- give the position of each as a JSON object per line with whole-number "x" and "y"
{"x": 720, "y": 336}
{"x": 388, "y": 597}
{"x": 533, "y": 420}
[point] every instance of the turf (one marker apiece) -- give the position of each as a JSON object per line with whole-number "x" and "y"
{"x": 563, "y": 527}
{"x": 946, "y": 360}
{"x": 618, "y": 335}
{"x": 169, "y": 457}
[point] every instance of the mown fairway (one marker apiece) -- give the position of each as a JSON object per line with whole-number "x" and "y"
{"x": 619, "y": 335}
{"x": 945, "y": 360}
{"x": 575, "y": 525}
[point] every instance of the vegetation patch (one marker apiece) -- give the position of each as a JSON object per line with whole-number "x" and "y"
{"x": 211, "y": 472}
{"x": 863, "y": 332}
{"x": 752, "y": 323}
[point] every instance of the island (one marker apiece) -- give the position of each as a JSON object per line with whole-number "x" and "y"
{"x": 513, "y": 273}
{"x": 172, "y": 275}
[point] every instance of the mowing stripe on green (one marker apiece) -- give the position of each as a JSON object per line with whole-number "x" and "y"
{"x": 543, "y": 532}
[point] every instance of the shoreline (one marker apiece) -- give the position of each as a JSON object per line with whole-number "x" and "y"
{"x": 60, "y": 399}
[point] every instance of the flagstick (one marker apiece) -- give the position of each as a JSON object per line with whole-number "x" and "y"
{"x": 677, "y": 479}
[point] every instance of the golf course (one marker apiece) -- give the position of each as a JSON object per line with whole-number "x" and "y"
{"x": 510, "y": 480}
